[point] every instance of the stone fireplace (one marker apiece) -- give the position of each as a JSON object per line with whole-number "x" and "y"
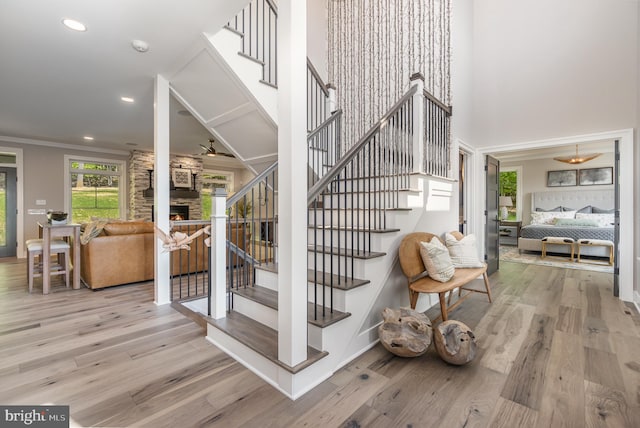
{"x": 185, "y": 201}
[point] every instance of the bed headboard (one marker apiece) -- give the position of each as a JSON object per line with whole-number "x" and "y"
{"x": 573, "y": 199}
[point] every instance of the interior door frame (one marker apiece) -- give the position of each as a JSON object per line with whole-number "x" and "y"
{"x": 626, "y": 248}
{"x": 19, "y": 166}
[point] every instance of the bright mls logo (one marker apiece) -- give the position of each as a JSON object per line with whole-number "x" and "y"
{"x": 34, "y": 416}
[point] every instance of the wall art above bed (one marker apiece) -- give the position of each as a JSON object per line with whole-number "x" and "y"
{"x": 568, "y": 177}
{"x": 595, "y": 176}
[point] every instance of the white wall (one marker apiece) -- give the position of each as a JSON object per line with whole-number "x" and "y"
{"x": 317, "y": 36}
{"x": 534, "y": 178}
{"x": 550, "y": 68}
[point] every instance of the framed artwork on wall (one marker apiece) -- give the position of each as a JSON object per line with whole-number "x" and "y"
{"x": 563, "y": 178}
{"x": 596, "y": 176}
{"x": 181, "y": 178}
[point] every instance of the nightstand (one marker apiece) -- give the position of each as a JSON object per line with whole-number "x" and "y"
{"x": 509, "y": 232}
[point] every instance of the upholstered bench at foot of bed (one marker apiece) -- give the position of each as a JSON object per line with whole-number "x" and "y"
{"x": 595, "y": 243}
{"x": 556, "y": 240}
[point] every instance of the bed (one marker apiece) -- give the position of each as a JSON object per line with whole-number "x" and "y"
{"x": 592, "y": 207}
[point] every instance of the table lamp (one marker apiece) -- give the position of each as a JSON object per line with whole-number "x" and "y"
{"x": 504, "y": 202}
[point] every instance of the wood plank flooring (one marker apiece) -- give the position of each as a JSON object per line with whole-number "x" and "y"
{"x": 555, "y": 350}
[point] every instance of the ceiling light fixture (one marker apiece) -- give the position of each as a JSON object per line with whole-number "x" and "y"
{"x": 577, "y": 159}
{"x": 88, "y": 138}
{"x": 127, "y": 99}
{"x": 74, "y": 25}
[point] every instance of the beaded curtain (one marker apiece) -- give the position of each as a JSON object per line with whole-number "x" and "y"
{"x": 376, "y": 45}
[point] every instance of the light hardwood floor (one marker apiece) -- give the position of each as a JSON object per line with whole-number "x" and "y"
{"x": 555, "y": 350}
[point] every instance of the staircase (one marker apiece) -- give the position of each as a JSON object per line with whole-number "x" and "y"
{"x": 361, "y": 203}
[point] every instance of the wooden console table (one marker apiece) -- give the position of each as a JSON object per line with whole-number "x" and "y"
{"x": 50, "y": 231}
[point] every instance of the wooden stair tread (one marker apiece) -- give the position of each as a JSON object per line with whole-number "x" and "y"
{"x": 338, "y": 281}
{"x": 261, "y": 339}
{"x": 269, "y": 298}
{"x": 346, "y": 252}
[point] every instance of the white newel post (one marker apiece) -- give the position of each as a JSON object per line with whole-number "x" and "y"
{"x": 292, "y": 187}
{"x": 217, "y": 263}
{"x": 418, "y": 123}
{"x": 161, "y": 188}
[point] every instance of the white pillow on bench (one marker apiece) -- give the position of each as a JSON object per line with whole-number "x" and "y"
{"x": 436, "y": 259}
{"x": 463, "y": 252}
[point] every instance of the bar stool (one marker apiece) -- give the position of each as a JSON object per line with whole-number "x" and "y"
{"x": 58, "y": 247}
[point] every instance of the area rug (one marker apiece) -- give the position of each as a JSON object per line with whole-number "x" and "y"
{"x": 510, "y": 254}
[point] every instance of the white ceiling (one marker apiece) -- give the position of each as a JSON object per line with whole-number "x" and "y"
{"x": 550, "y": 152}
{"x": 59, "y": 85}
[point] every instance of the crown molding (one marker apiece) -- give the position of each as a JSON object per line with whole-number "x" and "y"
{"x": 30, "y": 141}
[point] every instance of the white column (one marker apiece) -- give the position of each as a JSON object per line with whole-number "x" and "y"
{"x": 418, "y": 123}
{"x": 292, "y": 187}
{"x": 161, "y": 187}
{"x": 217, "y": 263}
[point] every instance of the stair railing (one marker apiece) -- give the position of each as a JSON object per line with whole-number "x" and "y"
{"x": 352, "y": 198}
{"x": 251, "y": 229}
{"x": 324, "y": 147}
{"x": 437, "y": 147}
{"x": 318, "y": 109}
{"x": 257, "y": 22}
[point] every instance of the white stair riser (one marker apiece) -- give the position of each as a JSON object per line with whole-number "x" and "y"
{"x": 403, "y": 199}
{"x": 357, "y": 218}
{"x": 358, "y": 270}
{"x": 347, "y": 239}
{"x": 339, "y": 296}
{"x": 371, "y": 184}
{"x": 267, "y": 279}
{"x": 256, "y": 311}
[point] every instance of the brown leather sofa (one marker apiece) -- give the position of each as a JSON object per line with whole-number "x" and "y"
{"x": 124, "y": 253}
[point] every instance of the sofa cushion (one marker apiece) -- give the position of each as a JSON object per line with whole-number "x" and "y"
{"x": 128, "y": 228}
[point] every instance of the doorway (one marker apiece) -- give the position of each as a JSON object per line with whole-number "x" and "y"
{"x": 8, "y": 212}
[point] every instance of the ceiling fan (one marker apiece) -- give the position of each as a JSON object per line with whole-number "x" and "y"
{"x": 212, "y": 152}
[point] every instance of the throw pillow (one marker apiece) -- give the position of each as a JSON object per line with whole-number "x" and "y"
{"x": 597, "y": 210}
{"x": 436, "y": 259}
{"x": 549, "y": 217}
{"x": 556, "y": 209}
{"x": 604, "y": 220}
{"x": 582, "y": 222}
{"x": 463, "y": 252}
{"x": 585, "y": 210}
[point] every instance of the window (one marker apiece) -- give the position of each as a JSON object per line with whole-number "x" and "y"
{"x": 213, "y": 180}
{"x": 95, "y": 189}
{"x": 510, "y": 186}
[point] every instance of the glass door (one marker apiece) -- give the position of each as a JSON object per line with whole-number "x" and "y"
{"x": 8, "y": 216}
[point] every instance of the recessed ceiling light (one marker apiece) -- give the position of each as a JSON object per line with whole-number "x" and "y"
{"x": 140, "y": 45}
{"x": 74, "y": 25}
{"x": 127, "y": 99}
{"x": 88, "y": 138}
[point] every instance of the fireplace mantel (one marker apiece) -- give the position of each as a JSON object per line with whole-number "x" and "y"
{"x": 178, "y": 193}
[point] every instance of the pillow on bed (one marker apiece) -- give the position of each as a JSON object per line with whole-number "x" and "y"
{"x": 549, "y": 217}
{"x": 603, "y": 220}
{"x": 463, "y": 252}
{"x": 584, "y": 210}
{"x": 436, "y": 259}
{"x": 597, "y": 210}
{"x": 582, "y": 222}
{"x": 556, "y": 209}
